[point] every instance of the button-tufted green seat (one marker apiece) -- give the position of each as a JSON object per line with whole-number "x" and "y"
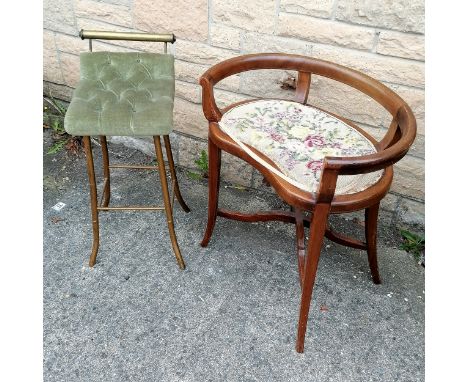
{"x": 123, "y": 94}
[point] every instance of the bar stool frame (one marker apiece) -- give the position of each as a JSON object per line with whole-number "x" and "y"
{"x": 104, "y": 199}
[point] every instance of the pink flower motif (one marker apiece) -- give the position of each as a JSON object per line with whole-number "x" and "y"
{"x": 277, "y": 137}
{"x": 314, "y": 140}
{"x": 314, "y": 165}
{"x": 290, "y": 163}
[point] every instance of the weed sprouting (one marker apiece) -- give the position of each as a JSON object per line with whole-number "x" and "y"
{"x": 53, "y": 118}
{"x": 202, "y": 166}
{"x": 413, "y": 244}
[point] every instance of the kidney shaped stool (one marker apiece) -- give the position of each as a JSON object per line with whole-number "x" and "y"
{"x": 315, "y": 160}
{"x": 125, "y": 94}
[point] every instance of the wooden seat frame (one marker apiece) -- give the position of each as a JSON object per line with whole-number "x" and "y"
{"x": 394, "y": 145}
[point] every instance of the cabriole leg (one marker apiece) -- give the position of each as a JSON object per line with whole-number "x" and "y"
{"x": 371, "y": 240}
{"x": 300, "y": 246}
{"x": 318, "y": 225}
{"x": 214, "y": 166}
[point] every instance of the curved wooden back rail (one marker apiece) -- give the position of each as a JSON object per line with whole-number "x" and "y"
{"x": 390, "y": 149}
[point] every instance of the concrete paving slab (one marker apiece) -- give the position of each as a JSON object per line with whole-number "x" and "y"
{"x": 232, "y": 314}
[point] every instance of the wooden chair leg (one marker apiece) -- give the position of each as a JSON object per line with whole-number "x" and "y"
{"x": 317, "y": 232}
{"x": 170, "y": 160}
{"x": 371, "y": 241}
{"x": 106, "y": 172}
{"x": 214, "y": 166}
{"x": 167, "y": 201}
{"x": 300, "y": 246}
{"x": 93, "y": 197}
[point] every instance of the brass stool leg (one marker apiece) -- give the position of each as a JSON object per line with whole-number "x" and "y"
{"x": 93, "y": 196}
{"x": 105, "y": 167}
{"x": 170, "y": 160}
{"x": 167, "y": 201}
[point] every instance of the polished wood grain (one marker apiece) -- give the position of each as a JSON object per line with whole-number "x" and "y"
{"x": 371, "y": 214}
{"x": 302, "y": 87}
{"x": 390, "y": 149}
{"x": 214, "y": 166}
{"x": 300, "y": 242}
{"x": 317, "y": 231}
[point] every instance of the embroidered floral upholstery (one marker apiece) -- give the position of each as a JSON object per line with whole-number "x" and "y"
{"x": 297, "y": 138}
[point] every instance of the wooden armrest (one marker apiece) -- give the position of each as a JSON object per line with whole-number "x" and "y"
{"x": 397, "y": 141}
{"x": 210, "y": 109}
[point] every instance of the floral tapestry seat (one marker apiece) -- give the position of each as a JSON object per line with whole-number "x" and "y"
{"x": 296, "y": 138}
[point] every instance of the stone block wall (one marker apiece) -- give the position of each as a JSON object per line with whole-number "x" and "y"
{"x": 382, "y": 38}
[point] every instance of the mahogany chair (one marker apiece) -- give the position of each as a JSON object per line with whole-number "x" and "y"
{"x": 316, "y": 161}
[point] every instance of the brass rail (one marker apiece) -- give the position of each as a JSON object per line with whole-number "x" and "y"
{"x": 132, "y": 36}
{"x": 137, "y": 167}
{"x": 131, "y": 208}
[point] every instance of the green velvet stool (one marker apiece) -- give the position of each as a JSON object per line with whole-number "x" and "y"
{"x": 126, "y": 94}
